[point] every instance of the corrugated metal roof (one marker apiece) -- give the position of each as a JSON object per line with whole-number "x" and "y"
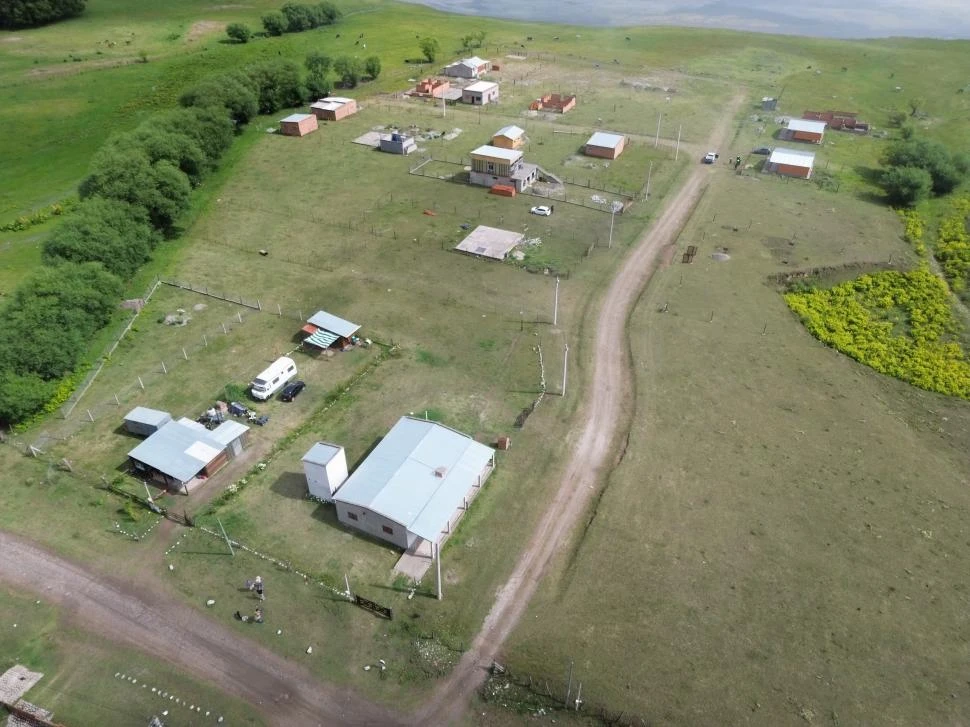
{"x": 178, "y": 450}
{"x": 144, "y": 415}
{"x": 473, "y": 62}
{"x": 481, "y": 86}
{"x": 400, "y": 478}
{"x": 792, "y": 157}
{"x": 608, "y": 141}
{"x": 498, "y": 152}
{"x": 229, "y": 431}
{"x": 326, "y": 105}
{"x": 330, "y": 322}
{"x": 512, "y": 132}
{"x": 812, "y": 127}
{"x": 296, "y": 118}
{"x": 321, "y": 453}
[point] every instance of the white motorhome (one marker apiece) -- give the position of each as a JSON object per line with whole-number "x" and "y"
{"x": 273, "y": 378}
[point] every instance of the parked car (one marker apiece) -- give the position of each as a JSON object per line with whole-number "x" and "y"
{"x": 543, "y": 210}
{"x": 710, "y": 157}
{"x": 765, "y": 150}
{"x": 292, "y": 390}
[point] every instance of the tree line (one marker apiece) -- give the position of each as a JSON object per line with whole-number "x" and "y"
{"x": 138, "y": 187}
{"x": 16, "y": 14}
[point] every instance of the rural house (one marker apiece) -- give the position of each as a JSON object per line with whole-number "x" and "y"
{"x": 325, "y": 330}
{"x": 554, "y": 103}
{"x": 298, "y": 124}
{"x": 480, "y": 93}
{"x": 473, "y": 67}
{"x": 432, "y": 87}
{"x": 183, "y": 454}
{"x": 492, "y": 165}
{"x": 415, "y": 485}
{"x": 605, "y": 146}
{"x": 509, "y": 137}
{"x": 334, "y": 108}
{"x": 804, "y": 130}
{"x": 397, "y": 143}
{"x": 791, "y": 163}
{"x": 490, "y": 242}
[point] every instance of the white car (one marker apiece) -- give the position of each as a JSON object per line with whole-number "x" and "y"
{"x": 543, "y": 210}
{"x": 710, "y": 157}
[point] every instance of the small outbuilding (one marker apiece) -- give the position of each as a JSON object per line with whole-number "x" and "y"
{"x": 554, "y": 102}
{"x": 493, "y": 165}
{"x": 805, "y": 130}
{"x": 145, "y": 422}
{"x": 473, "y": 67}
{"x": 490, "y": 242}
{"x": 298, "y": 124}
{"x": 415, "y": 485}
{"x": 325, "y": 467}
{"x": 791, "y": 163}
{"x": 769, "y": 103}
{"x": 397, "y": 143}
{"x": 432, "y": 87}
{"x": 480, "y": 93}
{"x": 325, "y": 330}
{"x": 509, "y": 137}
{"x": 334, "y": 108}
{"x": 604, "y": 145}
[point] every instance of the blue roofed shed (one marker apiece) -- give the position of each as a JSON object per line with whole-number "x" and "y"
{"x": 416, "y": 483}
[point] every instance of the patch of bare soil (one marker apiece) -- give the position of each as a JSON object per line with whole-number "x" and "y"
{"x": 204, "y": 27}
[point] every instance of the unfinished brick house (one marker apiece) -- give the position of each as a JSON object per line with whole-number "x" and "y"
{"x": 553, "y": 102}
{"x": 839, "y": 120}
{"x": 432, "y": 87}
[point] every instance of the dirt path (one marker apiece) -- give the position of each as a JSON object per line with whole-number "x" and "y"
{"x": 288, "y": 694}
{"x": 606, "y": 414}
{"x": 285, "y": 693}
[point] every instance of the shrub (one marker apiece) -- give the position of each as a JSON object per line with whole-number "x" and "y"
{"x": 234, "y": 92}
{"x": 32, "y": 13}
{"x": 349, "y": 71}
{"x": 372, "y": 67}
{"x": 239, "y": 32}
{"x": 429, "y": 48}
{"x": 278, "y": 85}
{"x": 274, "y": 23}
{"x": 906, "y": 186}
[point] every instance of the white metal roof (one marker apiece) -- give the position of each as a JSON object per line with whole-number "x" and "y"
{"x": 509, "y": 155}
{"x": 178, "y": 450}
{"x": 490, "y": 242}
{"x": 321, "y": 453}
{"x": 473, "y": 62}
{"x": 228, "y": 431}
{"x": 144, "y": 415}
{"x": 481, "y": 86}
{"x": 418, "y": 476}
{"x": 792, "y": 157}
{"x": 296, "y": 118}
{"x": 330, "y": 322}
{"x": 512, "y": 132}
{"x": 812, "y": 127}
{"x": 603, "y": 139}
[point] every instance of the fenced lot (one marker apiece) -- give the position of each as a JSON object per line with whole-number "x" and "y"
{"x": 784, "y": 539}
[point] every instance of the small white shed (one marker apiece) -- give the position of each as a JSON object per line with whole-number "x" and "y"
{"x": 325, "y": 466}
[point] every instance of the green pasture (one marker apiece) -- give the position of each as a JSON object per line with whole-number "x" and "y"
{"x": 79, "y": 684}
{"x": 782, "y": 541}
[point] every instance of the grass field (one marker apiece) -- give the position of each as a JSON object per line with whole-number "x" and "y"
{"x": 787, "y": 522}
{"x": 727, "y": 543}
{"x": 79, "y": 684}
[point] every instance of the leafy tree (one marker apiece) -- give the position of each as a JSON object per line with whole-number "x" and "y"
{"x": 162, "y": 145}
{"x": 897, "y": 118}
{"x": 372, "y": 67}
{"x": 274, "y": 23}
{"x": 239, "y": 32}
{"x": 278, "y": 85}
{"x": 108, "y": 231}
{"x": 161, "y": 189}
{"x": 916, "y": 105}
{"x": 349, "y": 71}
{"x": 298, "y": 17}
{"x": 430, "y": 48}
{"x": 327, "y": 13}
{"x": 210, "y": 127}
{"x": 318, "y": 85}
{"x": 236, "y": 92}
{"x": 319, "y": 63}
{"x": 930, "y": 155}
{"x": 32, "y": 13}
{"x": 906, "y": 186}
{"x": 22, "y": 394}
{"x": 473, "y": 40}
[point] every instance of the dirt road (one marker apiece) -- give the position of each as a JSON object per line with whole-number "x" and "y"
{"x": 285, "y": 693}
{"x": 606, "y": 415}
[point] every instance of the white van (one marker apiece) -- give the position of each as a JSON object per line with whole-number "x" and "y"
{"x": 273, "y": 378}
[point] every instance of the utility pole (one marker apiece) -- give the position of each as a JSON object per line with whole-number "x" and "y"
{"x": 677, "y": 150}
{"x": 555, "y": 308}
{"x": 609, "y": 244}
{"x": 656, "y": 140}
{"x": 231, "y": 551}
{"x": 437, "y": 558}
{"x": 565, "y": 366}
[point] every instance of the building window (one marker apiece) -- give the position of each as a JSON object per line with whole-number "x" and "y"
{"x": 387, "y": 529}
{"x": 352, "y": 515}
{"x": 490, "y": 168}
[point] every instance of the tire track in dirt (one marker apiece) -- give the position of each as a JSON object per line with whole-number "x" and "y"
{"x": 606, "y": 416}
